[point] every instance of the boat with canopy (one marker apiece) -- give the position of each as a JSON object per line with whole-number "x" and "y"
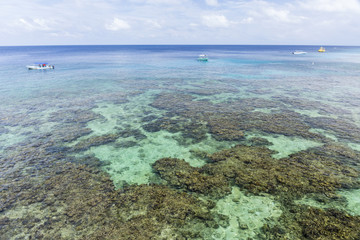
{"x": 40, "y": 66}
{"x": 202, "y": 58}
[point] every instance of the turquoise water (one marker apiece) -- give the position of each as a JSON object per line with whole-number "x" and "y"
{"x": 112, "y": 112}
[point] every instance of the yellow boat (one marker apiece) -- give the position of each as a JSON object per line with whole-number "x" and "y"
{"x": 321, "y": 49}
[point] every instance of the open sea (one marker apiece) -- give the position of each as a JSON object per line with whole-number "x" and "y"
{"x": 146, "y": 142}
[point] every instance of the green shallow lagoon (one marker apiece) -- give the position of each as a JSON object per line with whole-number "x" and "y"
{"x": 250, "y": 145}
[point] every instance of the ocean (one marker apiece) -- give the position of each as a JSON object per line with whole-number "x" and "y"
{"x": 146, "y": 142}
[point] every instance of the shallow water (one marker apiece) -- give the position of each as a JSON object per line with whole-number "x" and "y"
{"x": 112, "y": 112}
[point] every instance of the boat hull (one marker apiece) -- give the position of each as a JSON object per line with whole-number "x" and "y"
{"x": 30, "y": 67}
{"x": 298, "y": 53}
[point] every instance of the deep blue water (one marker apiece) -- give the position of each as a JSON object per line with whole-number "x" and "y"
{"x": 99, "y": 66}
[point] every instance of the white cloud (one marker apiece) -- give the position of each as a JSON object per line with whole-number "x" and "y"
{"x": 35, "y": 24}
{"x": 212, "y": 2}
{"x": 42, "y": 23}
{"x": 283, "y": 15}
{"x": 65, "y": 34}
{"x": 247, "y": 20}
{"x": 215, "y": 21}
{"x": 332, "y": 5}
{"x": 181, "y": 21}
{"x": 153, "y": 23}
{"x": 158, "y": 2}
{"x": 280, "y": 15}
{"x": 117, "y": 24}
{"x": 26, "y": 24}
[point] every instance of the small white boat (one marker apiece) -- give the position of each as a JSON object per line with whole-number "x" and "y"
{"x": 202, "y": 58}
{"x": 298, "y": 52}
{"x": 40, "y": 66}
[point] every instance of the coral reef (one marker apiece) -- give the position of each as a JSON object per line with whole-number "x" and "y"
{"x": 253, "y": 168}
{"x": 190, "y": 129}
{"x": 67, "y": 133}
{"x": 258, "y": 141}
{"x": 208, "y": 89}
{"x": 320, "y": 170}
{"x": 14, "y": 119}
{"x": 329, "y": 224}
{"x": 342, "y": 128}
{"x": 46, "y": 205}
{"x": 306, "y": 104}
{"x": 46, "y": 193}
{"x": 304, "y": 222}
{"x": 126, "y": 144}
{"x": 95, "y": 141}
{"x": 136, "y": 133}
{"x": 157, "y": 212}
{"x": 73, "y": 116}
{"x": 3, "y": 130}
{"x": 165, "y": 123}
{"x": 78, "y": 202}
{"x": 229, "y": 120}
{"x": 180, "y": 174}
{"x": 90, "y": 161}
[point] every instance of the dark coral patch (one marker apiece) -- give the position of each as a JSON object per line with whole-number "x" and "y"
{"x": 253, "y": 168}
{"x": 229, "y": 120}
{"x": 258, "y": 141}
{"x": 77, "y": 202}
{"x": 329, "y": 224}
{"x": 304, "y": 222}
{"x": 95, "y": 141}
{"x": 73, "y": 116}
{"x": 180, "y": 174}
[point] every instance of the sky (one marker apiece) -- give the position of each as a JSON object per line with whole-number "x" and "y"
{"x": 273, "y": 22}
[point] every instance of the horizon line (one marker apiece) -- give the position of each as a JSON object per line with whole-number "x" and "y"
{"x": 59, "y": 45}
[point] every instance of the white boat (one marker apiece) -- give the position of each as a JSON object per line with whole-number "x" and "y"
{"x": 40, "y": 66}
{"x": 203, "y": 58}
{"x": 298, "y": 52}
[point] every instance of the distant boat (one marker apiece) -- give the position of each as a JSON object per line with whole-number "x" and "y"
{"x": 297, "y": 52}
{"x": 40, "y": 66}
{"x": 321, "y": 49}
{"x": 202, "y": 58}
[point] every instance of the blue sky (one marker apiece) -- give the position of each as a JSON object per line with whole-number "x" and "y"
{"x": 318, "y": 22}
